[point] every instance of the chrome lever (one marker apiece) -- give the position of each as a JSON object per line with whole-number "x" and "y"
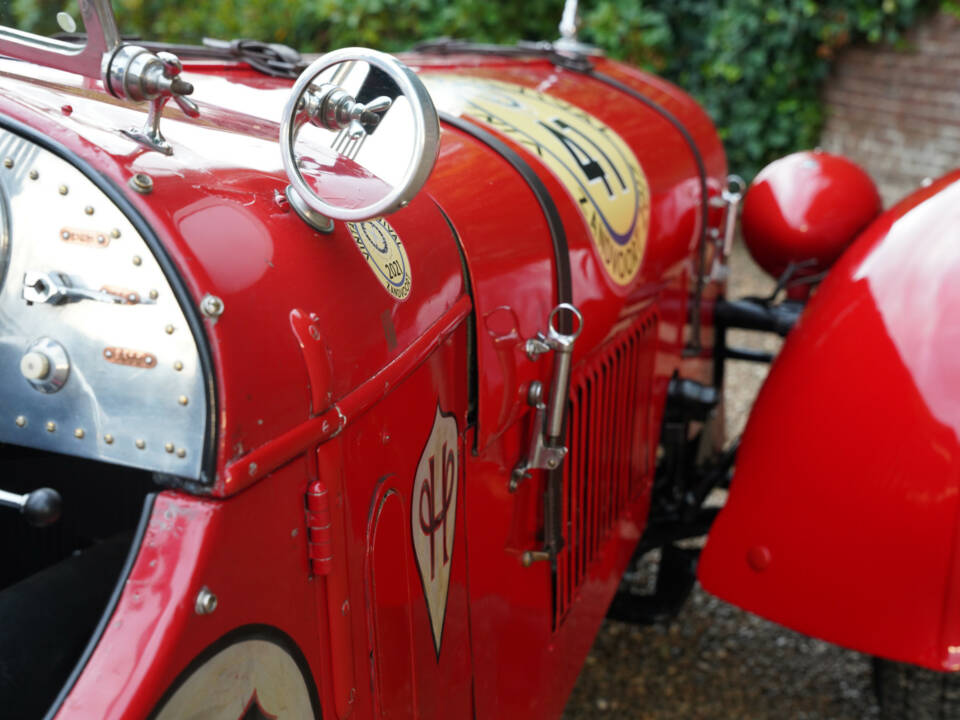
{"x": 546, "y": 450}
{"x": 40, "y": 507}
{"x": 55, "y": 288}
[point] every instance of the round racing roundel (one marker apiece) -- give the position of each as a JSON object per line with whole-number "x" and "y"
{"x": 594, "y": 164}
{"x": 383, "y": 250}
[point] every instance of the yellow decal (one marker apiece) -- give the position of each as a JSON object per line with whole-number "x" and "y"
{"x": 381, "y": 247}
{"x": 595, "y": 165}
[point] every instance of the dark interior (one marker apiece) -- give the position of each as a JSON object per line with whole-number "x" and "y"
{"x": 56, "y": 581}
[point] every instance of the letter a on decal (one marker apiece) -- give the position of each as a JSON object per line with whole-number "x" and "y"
{"x": 433, "y": 517}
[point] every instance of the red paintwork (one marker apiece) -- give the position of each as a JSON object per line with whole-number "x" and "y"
{"x": 806, "y": 206}
{"x": 311, "y": 388}
{"x": 191, "y": 543}
{"x": 842, "y": 516}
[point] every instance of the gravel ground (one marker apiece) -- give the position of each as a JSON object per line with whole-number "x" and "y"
{"x": 714, "y": 661}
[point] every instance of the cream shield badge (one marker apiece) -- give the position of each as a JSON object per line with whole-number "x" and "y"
{"x": 383, "y": 250}
{"x": 433, "y": 517}
{"x": 594, "y": 164}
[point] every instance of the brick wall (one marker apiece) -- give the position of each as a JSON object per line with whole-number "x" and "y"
{"x": 897, "y": 113}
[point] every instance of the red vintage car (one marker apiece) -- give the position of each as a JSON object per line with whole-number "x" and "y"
{"x": 352, "y": 390}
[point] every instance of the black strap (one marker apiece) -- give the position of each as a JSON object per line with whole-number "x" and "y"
{"x": 704, "y": 198}
{"x": 268, "y": 58}
{"x": 558, "y": 235}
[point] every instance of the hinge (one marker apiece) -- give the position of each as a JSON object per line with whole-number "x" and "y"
{"x": 319, "y": 534}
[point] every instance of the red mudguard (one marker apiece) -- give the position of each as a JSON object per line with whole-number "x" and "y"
{"x": 842, "y": 516}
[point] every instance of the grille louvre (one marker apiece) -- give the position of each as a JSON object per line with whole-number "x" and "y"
{"x": 608, "y": 461}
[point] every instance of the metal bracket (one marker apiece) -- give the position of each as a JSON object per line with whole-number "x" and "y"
{"x": 546, "y": 450}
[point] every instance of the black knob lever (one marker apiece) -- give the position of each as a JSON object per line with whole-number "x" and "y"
{"x": 40, "y": 507}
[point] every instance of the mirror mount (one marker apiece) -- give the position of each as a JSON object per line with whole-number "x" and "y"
{"x": 329, "y": 106}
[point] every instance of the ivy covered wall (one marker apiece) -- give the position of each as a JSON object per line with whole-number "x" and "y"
{"x": 758, "y": 66}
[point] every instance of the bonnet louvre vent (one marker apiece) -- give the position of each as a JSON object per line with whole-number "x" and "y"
{"x": 609, "y": 459}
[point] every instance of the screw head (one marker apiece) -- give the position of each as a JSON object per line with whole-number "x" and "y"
{"x": 168, "y": 447}
{"x": 142, "y": 183}
{"x": 115, "y": 233}
{"x": 137, "y": 260}
{"x": 108, "y": 439}
{"x": 63, "y": 189}
{"x": 51, "y": 426}
{"x": 79, "y": 433}
{"x": 181, "y": 453}
{"x": 178, "y": 366}
{"x": 169, "y": 329}
{"x": 88, "y": 209}
{"x": 21, "y": 421}
{"x": 34, "y": 174}
{"x": 8, "y": 162}
{"x": 141, "y": 444}
{"x": 206, "y": 602}
{"x": 183, "y": 400}
{"x": 211, "y": 306}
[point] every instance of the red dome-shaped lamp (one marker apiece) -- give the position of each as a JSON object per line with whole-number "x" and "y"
{"x": 806, "y": 208}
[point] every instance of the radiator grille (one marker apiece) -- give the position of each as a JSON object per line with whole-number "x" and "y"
{"x": 609, "y": 457}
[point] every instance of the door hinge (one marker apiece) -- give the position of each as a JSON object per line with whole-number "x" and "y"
{"x": 319, "y": 532}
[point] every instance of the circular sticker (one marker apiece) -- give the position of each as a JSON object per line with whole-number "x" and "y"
{"x": 381, "y": 247}
{"x": 594, "y": 164}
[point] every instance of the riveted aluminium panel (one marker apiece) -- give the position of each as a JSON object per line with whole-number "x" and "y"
{"x": 97, "y": 359}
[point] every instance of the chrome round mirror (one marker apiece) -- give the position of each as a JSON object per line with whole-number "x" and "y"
{"x": 359, "y": 136}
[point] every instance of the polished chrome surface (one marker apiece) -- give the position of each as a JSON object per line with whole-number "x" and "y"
{"x": 546, "y": 450}
{"x": 320, "y": 223}
{"x": 12, "y": 500}
{"x": 569, "y": 22}
{"x": 88, "y": 59}
{"x": 568, "y": 43}
{"x": 211, "y": 306}
{"x": 122, "y": 400}
{"x": 56, "y": 288}
{"x": 732, "y": 195}
{"x": 45, "y": 365}
{"x": 134, "y": 73}
{"x": 206, "y": 602}
{"x": 422, "y": 140}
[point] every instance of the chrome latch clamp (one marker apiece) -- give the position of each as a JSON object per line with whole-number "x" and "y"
{"x": 134, "y": 73}
{"x": 546, "y": 450}
{"x": 333, "y": 108}
{"x": 729, "y": 200}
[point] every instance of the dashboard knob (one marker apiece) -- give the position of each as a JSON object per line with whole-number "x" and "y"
{"x": 45, "y": 365}
{"x": 35, "y": 365}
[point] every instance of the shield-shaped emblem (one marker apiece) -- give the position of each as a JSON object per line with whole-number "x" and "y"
{"x": 433, "y": 517}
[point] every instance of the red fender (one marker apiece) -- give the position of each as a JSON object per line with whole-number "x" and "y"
{"x": 842, "y": 516}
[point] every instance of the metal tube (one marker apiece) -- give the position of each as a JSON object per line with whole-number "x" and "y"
{"x": 9, "y": 499}
{"x": 558, "y": 389}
